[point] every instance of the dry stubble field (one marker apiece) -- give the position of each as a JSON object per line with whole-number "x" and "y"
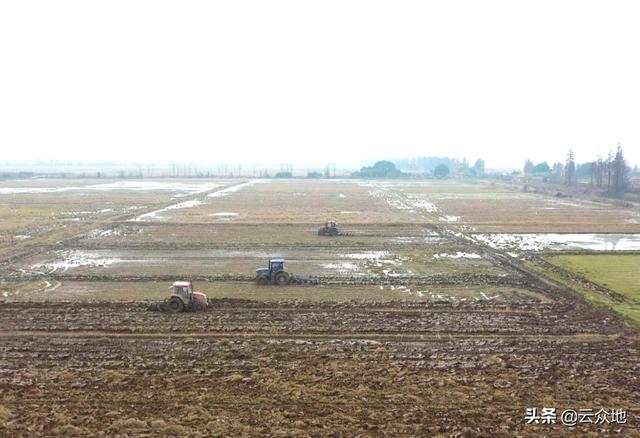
{"x": 417, "y": 326}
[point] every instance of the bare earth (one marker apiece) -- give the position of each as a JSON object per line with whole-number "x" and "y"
{"x": 416, "y": 326}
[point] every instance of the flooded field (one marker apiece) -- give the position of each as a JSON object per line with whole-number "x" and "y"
{"x": 558, "y": 242}
{"x": 395, "y": 233}
{"x": 418, "y": 307}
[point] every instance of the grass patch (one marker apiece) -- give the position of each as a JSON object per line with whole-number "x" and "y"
{"x": 616, "y": 272}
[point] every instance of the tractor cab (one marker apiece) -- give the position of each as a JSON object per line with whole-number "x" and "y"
{"x": 183, "y": 289}
{"x": 274, "y": 274}
{"x": 183, "y": 297}
{"x": 330, "y": 228}
{"x": 276, "y": 265}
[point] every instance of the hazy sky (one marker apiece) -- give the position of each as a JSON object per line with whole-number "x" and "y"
{"x": 300, "y": 81}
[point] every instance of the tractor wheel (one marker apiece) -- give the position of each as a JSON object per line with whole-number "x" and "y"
{"x": 175, "y": 305}
{"x": 198, "y": 306}
{"x": 320, "y": 232}
{"x": 282, "y": 279}
{"x": 262, "y": 281}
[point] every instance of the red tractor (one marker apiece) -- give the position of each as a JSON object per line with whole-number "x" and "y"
{"x": 330, "y": 228}
{"x": 183, "y": 298}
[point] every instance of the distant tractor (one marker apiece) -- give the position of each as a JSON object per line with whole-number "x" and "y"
{"x": 183, "y": 298}
{"x": 274, "y": 274}
{"x": 330, "y": 228}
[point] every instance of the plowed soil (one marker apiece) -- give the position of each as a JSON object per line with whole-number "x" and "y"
{"x": 246, "y": 367}
{"x": 413, "y": 327}
{"x": 293, "y": 318}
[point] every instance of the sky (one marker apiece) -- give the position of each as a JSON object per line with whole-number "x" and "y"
{"x": 305, "y": 82}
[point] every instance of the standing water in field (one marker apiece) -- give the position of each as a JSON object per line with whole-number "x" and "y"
{"x": 556, "y": 242}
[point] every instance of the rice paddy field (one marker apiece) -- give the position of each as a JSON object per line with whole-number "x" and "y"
{"x": 444, "y": 308}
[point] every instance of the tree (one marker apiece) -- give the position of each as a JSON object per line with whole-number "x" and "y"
{"x": 528, "y": 167}
{"x": 428, "y": 164}
{"x": 609, "y": 171}
{"x": 558, "y": 168}
{"x": 583, "y": 171}
{"x": 441, "y": 171}
{"x": 541, "y": 168}
{"x": 478, "y": 167}
{"x": 570, "y": 169}
{"x": 620, "y": 172}
{"x": 382, "y": 169}
{"x": 599, "y": 172}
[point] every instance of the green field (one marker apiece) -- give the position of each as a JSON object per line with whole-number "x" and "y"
{"x": 616, "y": 272}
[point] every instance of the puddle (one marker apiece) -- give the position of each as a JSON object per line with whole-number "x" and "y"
{"x": 95, "y": 234}
{"x": 342, "y": 266}
{"x": 224, "y": 216}
{"x": 189, "y": 189}
{"x": 391, "y": 273}
{"x": 21, "y": 190}
{"x": 457, "y": 255}
{"x": 416, "y": 239}
{"x": 84, "y": 213}
{"x": 233, "y": 189}
{"x": 488, "y": 297}
{"x": 194, "y": 202}
{"x": 371, "y": 255}
{"x": 157, "y": 213}
{"x": 73, "y": 259}
{"x": 77, "y": 213}
{"x": 153, "y": 186}
{"x": 557, "y": 242}
{"x": 411, "y": 205}
{"x": 425, "y": 205}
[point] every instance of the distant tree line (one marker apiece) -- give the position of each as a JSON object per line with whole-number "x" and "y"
{"x": 429, "y": 164}
{"x": 382, "y": 169}
{"x": 611, "y": 174}
{"x": 442, "y": 167}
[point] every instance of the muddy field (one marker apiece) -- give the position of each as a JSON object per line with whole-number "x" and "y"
{"x": 305, "y": 370}
{"x": 123, "y": 291}
{"x": 430, "y": 317}
{"x": 233, "y": 315}
{"x": 495, "y": 208}
{"x": 291, "y": 387}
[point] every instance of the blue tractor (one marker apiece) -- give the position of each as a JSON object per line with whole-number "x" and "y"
{"x": 274, "y": 274}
